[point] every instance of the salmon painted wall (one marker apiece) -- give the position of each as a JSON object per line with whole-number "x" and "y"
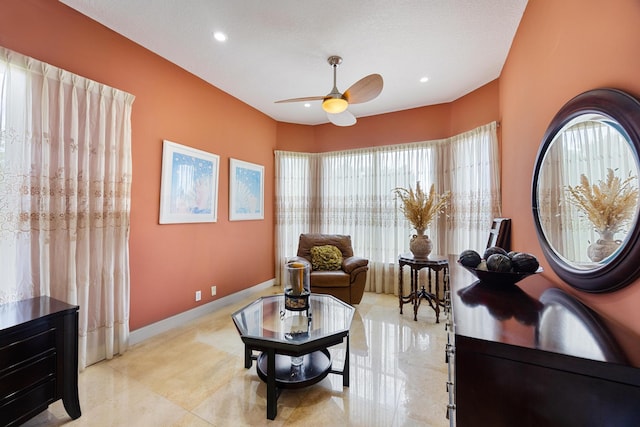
{"x": 168, "y": 262}
{"x": 298, "y": 138}
{"x": 417, "y": 124}
{"x": 561, "y": 49}
{"x": 476, "y": 109}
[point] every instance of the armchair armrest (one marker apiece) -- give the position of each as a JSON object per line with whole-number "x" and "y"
{"x": 351, "y": 263}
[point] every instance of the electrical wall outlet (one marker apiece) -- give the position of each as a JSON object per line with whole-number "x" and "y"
{"x": 198, "y": 295}
{"x": 213, "y": 290}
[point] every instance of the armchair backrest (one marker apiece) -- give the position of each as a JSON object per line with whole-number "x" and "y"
{"x": 307, "y": 241}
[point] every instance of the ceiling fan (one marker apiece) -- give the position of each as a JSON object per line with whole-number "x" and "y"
{"x": 336, "y": 103}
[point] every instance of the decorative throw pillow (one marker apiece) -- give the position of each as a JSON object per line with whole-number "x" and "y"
{"x": 327, "y": 257}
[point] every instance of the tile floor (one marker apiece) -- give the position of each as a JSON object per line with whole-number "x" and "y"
{"x": 195, "y": 376}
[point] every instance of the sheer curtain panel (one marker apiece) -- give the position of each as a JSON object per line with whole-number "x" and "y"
{"x": 471, "y": 170}
{"x": 294, "y": 203}
{"x": 65, "y": 179}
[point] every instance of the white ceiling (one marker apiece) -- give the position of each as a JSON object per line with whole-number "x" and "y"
{"x": 278, "y": 49}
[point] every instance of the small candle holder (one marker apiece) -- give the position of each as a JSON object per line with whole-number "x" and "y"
{"x": 297, "y": 287}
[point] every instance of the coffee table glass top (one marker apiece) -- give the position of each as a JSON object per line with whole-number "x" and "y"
{"x": 267, "y": 320}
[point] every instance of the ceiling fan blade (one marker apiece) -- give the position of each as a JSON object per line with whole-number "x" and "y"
{"x": 306, "y": 98}
{"x": 342, "y": 119}
{"x": 364, "y": 89}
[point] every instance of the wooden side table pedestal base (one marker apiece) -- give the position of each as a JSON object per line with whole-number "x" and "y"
{"x": 434, "y": 264}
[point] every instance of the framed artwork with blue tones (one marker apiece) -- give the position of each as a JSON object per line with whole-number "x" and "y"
{"x": 189, "y": 187}
{"x": 246, "y": 190}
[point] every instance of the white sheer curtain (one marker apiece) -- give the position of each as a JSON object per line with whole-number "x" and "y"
{"x": 350, "y": 192}
{"x": 471, "y": 166}
{"x": 294, "y": 198}
{"x": 65, "y": 178}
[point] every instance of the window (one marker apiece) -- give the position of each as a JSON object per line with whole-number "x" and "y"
{"x": 350, "y": 192}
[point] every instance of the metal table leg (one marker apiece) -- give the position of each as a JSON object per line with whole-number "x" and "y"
{"x": 272, "y": 393}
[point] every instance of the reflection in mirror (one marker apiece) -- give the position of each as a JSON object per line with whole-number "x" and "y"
{"x": 567, "y": 326}
{"x": 590, "y": 149}
{"x": 581, "y": 227}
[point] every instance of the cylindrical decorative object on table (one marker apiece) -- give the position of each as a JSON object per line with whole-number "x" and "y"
{"x": 296, "y": 326}
{"x": 297, "y": 287}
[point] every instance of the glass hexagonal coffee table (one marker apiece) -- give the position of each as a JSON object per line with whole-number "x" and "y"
{"x": 293, "y": 345}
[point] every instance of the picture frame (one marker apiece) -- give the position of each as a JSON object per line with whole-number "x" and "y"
{"x": 246, "y": 190}
{"x": 189, "y": 184}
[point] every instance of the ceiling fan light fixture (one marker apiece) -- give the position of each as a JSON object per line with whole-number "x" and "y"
{"x": 334, "y": 105}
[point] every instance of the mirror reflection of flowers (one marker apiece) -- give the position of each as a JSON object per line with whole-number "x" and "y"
{"x": 419, "y": 207}
{"x": 609, "y": 205}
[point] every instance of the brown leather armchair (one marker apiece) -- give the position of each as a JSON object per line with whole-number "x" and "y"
{"x": 347, "y": 283}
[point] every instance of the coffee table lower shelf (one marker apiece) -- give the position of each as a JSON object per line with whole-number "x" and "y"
{"x": 314, "y": 368}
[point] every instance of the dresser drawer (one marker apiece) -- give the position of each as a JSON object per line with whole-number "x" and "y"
{"x": 27, "y": 375}
{"x": 15, "y": 411}
{"x": 19, "y": 350}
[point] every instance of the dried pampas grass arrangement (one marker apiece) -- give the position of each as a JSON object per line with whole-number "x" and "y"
{"x": 420, "y": 208}
{"x": 609, "y": 205}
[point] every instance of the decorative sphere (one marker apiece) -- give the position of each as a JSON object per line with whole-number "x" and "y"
{"x": 493, "y": 250}
{"x": 525, "y": 262}
{"x": 499, "y": 262}
{"x": 469, "y": 258}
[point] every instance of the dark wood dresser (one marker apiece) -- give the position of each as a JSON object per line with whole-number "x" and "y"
{"x": 38, "y": 358}
{"x": 531, "y": 354}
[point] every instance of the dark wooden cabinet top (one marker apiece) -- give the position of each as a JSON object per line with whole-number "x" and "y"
{"x": 536, "y": 314}
{"x": 16, "y": 313}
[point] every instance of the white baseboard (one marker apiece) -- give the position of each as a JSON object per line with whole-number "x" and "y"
{"x": 146, "y": 332}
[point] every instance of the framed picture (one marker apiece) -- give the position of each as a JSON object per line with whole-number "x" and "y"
{"x": 246, "y": 190}
{"x": 189, "y": 187}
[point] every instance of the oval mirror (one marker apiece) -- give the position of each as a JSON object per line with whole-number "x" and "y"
{"x": 585, "y": 191}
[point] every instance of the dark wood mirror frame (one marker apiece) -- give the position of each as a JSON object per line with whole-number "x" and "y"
{"x": 601, "y": 337}
{"x": 624, "y": 268}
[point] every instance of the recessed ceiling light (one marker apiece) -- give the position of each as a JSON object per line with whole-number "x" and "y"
{"x": 307, "y": 105}
{"x": 424, "y": 79}
{"x": 220, "y": 36}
